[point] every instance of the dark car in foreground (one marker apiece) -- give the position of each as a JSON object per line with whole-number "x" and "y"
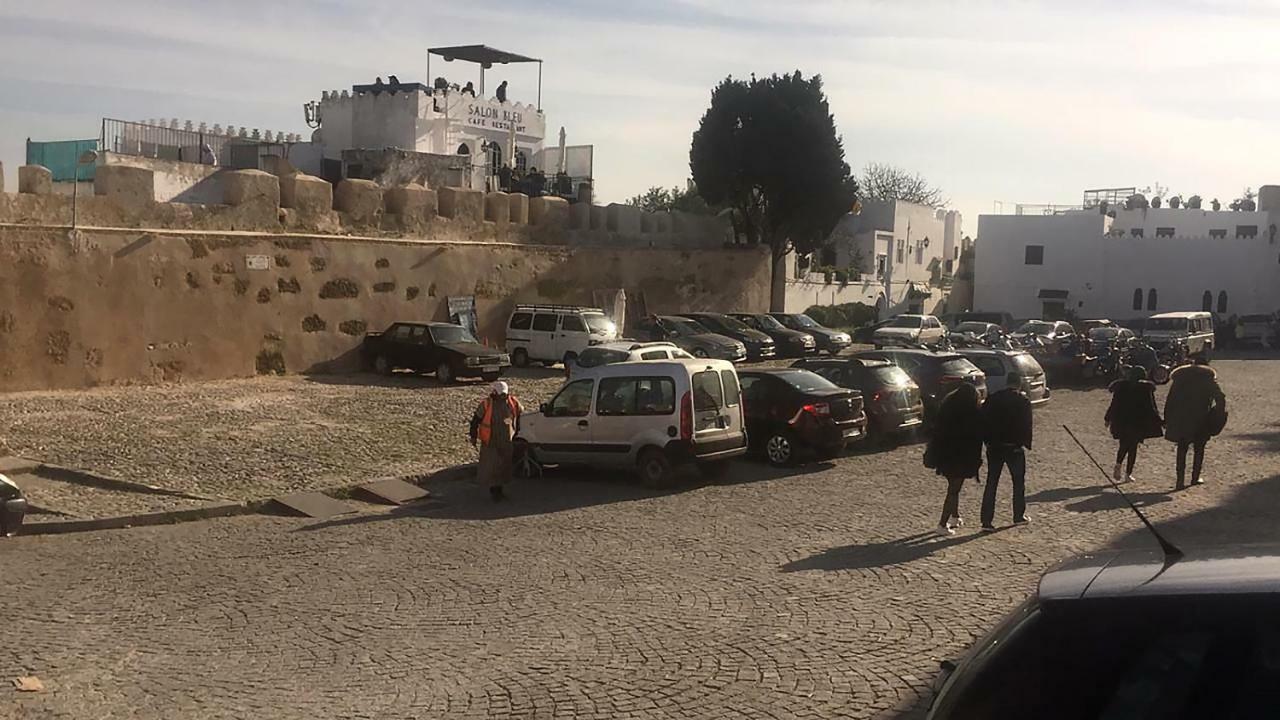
{"x": 450, "y": 351}
{"x": 1131, "y": 634}
{"x": 829, "y": 341}
{"x": 759, "y": 345}
{"x": 890, "y": 397}
{"x": 690, "y": 336}
{"x": 937, "y": 373}
{"x": 790, "y": 411}
{"x": 786, "y": 342}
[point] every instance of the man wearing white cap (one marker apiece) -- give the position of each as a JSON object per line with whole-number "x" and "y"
{"x": 493, "y": 425}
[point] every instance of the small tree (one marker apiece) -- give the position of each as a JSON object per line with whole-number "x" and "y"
{"x": 1216, "y": 205}
{"x": 768, "y": 149}
{"x": 1195, "y": 202}
{"x": 882, "y": 181}
{"x": 652, "y": 200}
{"x": 660, "y": 199}
{"x": 1155, "y": 202}
{"x": 1175, "y": 202}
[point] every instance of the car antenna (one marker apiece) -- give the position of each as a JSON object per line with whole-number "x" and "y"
{"x": 1171, "y": 551}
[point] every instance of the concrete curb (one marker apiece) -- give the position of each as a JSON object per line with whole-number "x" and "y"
{"x": 216, "y": 510}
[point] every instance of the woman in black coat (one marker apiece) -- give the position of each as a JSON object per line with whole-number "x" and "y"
{"x": 955, "y": 451}
{"x": 1132, "y": 417}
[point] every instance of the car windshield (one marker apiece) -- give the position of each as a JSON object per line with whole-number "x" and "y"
{"x": 1208, "y": 657}
{"x": 959, "y": 366}
{"x": 732, "y": 323}
{"x": 806, "y": 381}
{"x": 1167, "y": 324}
{"x": 595, "y": 357}
{"x": 905, "y": 322}
{"x": 711, "y": 322}
{"x": 972, "y": 327}
{"x": 768, "y": 322}
{"x": 1103, "y": 333}
{"x": 684, "y": 328}
{"x": 599, "y": 324}
{"x": 799, "y": 321}
{"x": 1037, "y": 328}
{"x": 891, "y": 376}
{"x": 451, "y": 334}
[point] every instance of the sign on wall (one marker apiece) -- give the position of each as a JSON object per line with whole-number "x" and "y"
{"x": 487, "y": 116}
{"x": 258, "y": 262}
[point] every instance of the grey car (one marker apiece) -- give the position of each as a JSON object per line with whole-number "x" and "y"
{"x": 689, "y": 336}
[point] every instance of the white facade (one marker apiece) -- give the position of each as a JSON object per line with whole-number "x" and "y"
{"x": 424, "y": 120}
{"x": 1136, "y": 264}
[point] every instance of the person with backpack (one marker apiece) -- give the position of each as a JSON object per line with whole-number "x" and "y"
{"x": 1132, "y": 418}
{"x": 1195, "y": 411}
{"x": 955, "y": 450}
{"x": 1007, "y": 429}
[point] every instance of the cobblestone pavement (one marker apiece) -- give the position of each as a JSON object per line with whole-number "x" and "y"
{"x": 811, "y": 594}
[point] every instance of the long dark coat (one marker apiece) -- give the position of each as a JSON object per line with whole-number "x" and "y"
{"x": 1133, "y": 415}
{"x": 956, "y": 447}
{"x": 1193, "y": 392}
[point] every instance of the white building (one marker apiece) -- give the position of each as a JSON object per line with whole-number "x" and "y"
{"x": 1134, "y": 264}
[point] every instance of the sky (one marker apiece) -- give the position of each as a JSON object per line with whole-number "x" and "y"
{"x": 996, "y": 102}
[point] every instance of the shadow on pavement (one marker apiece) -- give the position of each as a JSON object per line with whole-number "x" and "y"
{"x": 1059, "y": 494}
{"x": 1108, "y": 499}
{"x": 882, "y": 554}
{"x": 457, "y": 496}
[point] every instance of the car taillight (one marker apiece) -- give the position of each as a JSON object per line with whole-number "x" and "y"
{"x": 686, "y": 417}
{"x": 951, "y": 379}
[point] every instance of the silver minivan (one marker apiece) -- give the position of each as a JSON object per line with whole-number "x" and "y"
{"x": 650, "y": 416}
{"x": 555, "y": 333}
{"x": 1193, "y": 329}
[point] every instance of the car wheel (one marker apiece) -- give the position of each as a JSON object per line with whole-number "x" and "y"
{"x": 381, "y": 366}
{"x": 715, "y": 469}
{"x": 654, "y": 468}
{"x": 699, "y": 353}
{"x": 444, "y": 373}
{"x": 520, "y": 358}
{"x": 780, "y": 449}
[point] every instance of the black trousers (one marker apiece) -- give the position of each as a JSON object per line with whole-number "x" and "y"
{"x": 951, "y": 506}
{"x": 1197, "y": 461}
{"x": 1128, "y": 454}
{"x": 998, "y": 456}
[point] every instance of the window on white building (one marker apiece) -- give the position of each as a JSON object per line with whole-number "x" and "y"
{"x": 1246, "y": 231}
{"x": 1034, "y": 255}
{"x": 1218, "y": 233}
{"x": 882, "y": 261}
{"x": 495, "y": 157}
{"x": 1151, "y": 299}
{"x": 1164, "y": 232}
{"x": 1222, "y": 302}
{"x": 522, "y": 161}
{"x": 1136, "y": 232}
{"x": 919, "y": 254}
{"x": 902, "y": 252}
{"x": 1206, "y": 301}
{"x": 1137, "y": 299}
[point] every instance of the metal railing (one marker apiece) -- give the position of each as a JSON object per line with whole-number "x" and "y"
{"x": 193, "y": 146}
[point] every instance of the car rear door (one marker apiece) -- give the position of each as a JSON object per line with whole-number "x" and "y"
{"x": 542, "y": 337}
{"x": 397, "y": 343}
{"x": 716, "y": 422}
{"x": 629, "y": 407}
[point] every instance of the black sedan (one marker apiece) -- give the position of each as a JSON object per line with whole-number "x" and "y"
{"x": 937, "y": 373}
{"x": 791, "y": 411}
{"x": 786, "y": 342}
{"x": 829, "y": 341}
{"x": 1131, "y": 634}
{"x": 891, "y": 397}
{"x": 759, "y": 345}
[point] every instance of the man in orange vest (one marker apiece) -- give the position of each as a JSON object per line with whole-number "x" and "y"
{"x": 493, "y": 425}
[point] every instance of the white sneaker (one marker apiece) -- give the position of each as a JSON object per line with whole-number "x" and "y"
{"x": 944, "y": 531}
{"x": 1117, "y": 473}
{"x": 1128, "y": 478}
{"x": 956, "y": 522}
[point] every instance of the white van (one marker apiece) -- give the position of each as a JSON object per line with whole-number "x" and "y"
{"x": 1193, "y": 329}
{"x": 555, "y": 333}
{"x": 649, "y": 416}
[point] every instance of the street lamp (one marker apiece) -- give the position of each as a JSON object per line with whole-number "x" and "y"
{"x": 88, "y": 157}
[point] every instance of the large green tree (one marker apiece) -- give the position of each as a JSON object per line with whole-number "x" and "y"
{"x": 768, "y": 149}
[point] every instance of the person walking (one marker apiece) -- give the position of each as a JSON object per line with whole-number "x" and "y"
{"x": 1195, "y": 411}
{"x": 1007, "y": 426}
{"x": 955, "y": 450}
{"x": 1132, "y": 417}
{"x": 493, "y": 426}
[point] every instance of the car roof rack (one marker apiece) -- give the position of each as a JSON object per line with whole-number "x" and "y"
{"x": 542, "y": 306}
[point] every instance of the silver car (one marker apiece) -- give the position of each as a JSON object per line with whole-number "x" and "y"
{"x": 689, "y": 336}
{"x": 1011, "y": 368}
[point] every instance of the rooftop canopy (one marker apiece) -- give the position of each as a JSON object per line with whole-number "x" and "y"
{"x": 480, "y": 54}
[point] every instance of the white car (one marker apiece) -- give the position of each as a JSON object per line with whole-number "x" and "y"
{"x": 649, "y": 416}
{"x": 555, "y": 333}
{"x": 598, "y": 356}
{"x": 1005, "y": 368}
{"x": 910, "y": 330}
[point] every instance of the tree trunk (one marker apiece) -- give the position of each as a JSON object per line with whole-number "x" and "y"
{"x": 778, "y": 283}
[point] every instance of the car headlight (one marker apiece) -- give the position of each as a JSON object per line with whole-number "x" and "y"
{"x": 504, "y": 359}
{"x": 472, "y": 361}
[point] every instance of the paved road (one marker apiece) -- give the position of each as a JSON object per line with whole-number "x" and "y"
{"x": 767, "y": 596}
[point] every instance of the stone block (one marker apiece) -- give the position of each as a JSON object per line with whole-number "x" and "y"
{"x": 306, "y": 193}
{"x": 459, "y": 204}
{"x": 411, "y": 200}
{"x": 125, "y": 184}
{"x": 599, "y": 217}
{"x": 556, "y": 211}
{"x": 242, "y": 186}
{"x": 623, "y": 219}
{"x": 497, "y": 207}
{"x": 35, "y": 180}
{"x": 518, "y": 208}
{"x": 361, "y": 200}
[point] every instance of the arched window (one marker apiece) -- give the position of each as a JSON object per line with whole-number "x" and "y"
{"x": 495, "y": 157}
{"x": 464, "y": 149}
{"x": 1137, "y": 299}
{"x": 522, "y": 161}
{"x": 1206, "y": 301}
{"x": 1222, "y": 302}
{"x": 1151, "y": 299}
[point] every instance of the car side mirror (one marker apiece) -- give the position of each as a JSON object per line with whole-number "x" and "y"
{"x": 545, "y": 409}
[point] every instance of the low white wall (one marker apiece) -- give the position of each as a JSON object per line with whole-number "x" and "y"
{"x": 179, "y": 182}
{"x": 802, "y": 294}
